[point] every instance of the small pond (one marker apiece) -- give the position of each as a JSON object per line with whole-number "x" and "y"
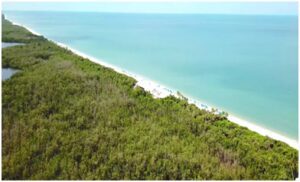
{"x": 10, "y": 44}
{"x": 8, "y": 72}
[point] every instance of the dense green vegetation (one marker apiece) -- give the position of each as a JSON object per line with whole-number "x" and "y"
{"x": 14, "y": 33}
{"x": 64, "y": 117}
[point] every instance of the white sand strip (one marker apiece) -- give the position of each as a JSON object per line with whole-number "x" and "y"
{"x": 263, "y": 131}
{"x": 32, "y": 31}
{"x": 160, "y": 91}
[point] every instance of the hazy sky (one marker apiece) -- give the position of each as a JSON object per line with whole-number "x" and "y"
{"x": 279, "y": 8}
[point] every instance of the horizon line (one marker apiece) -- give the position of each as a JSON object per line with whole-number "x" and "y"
{"x": 175, "y": 13}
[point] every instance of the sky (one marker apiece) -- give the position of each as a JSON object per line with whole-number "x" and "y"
{"x": 268, "y": 8}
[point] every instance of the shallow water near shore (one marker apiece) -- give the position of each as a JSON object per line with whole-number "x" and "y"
{"x": 245, "y": 65}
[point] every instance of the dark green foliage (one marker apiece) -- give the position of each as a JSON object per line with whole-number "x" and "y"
{"x": 65, "y": 117}
{"x": 15, "y": 33}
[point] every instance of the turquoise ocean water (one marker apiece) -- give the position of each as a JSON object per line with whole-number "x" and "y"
{"x": 246, "y": 65}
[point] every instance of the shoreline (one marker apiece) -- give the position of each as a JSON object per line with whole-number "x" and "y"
{"x": 160, "y": 91}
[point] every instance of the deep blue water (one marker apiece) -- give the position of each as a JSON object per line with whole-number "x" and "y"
{"x": 245, "y": 65}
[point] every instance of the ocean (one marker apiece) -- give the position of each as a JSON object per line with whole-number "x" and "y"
{"x": 246, "y": 65}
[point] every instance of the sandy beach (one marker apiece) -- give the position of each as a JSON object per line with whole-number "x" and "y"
{"x": 160, "y": 91}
